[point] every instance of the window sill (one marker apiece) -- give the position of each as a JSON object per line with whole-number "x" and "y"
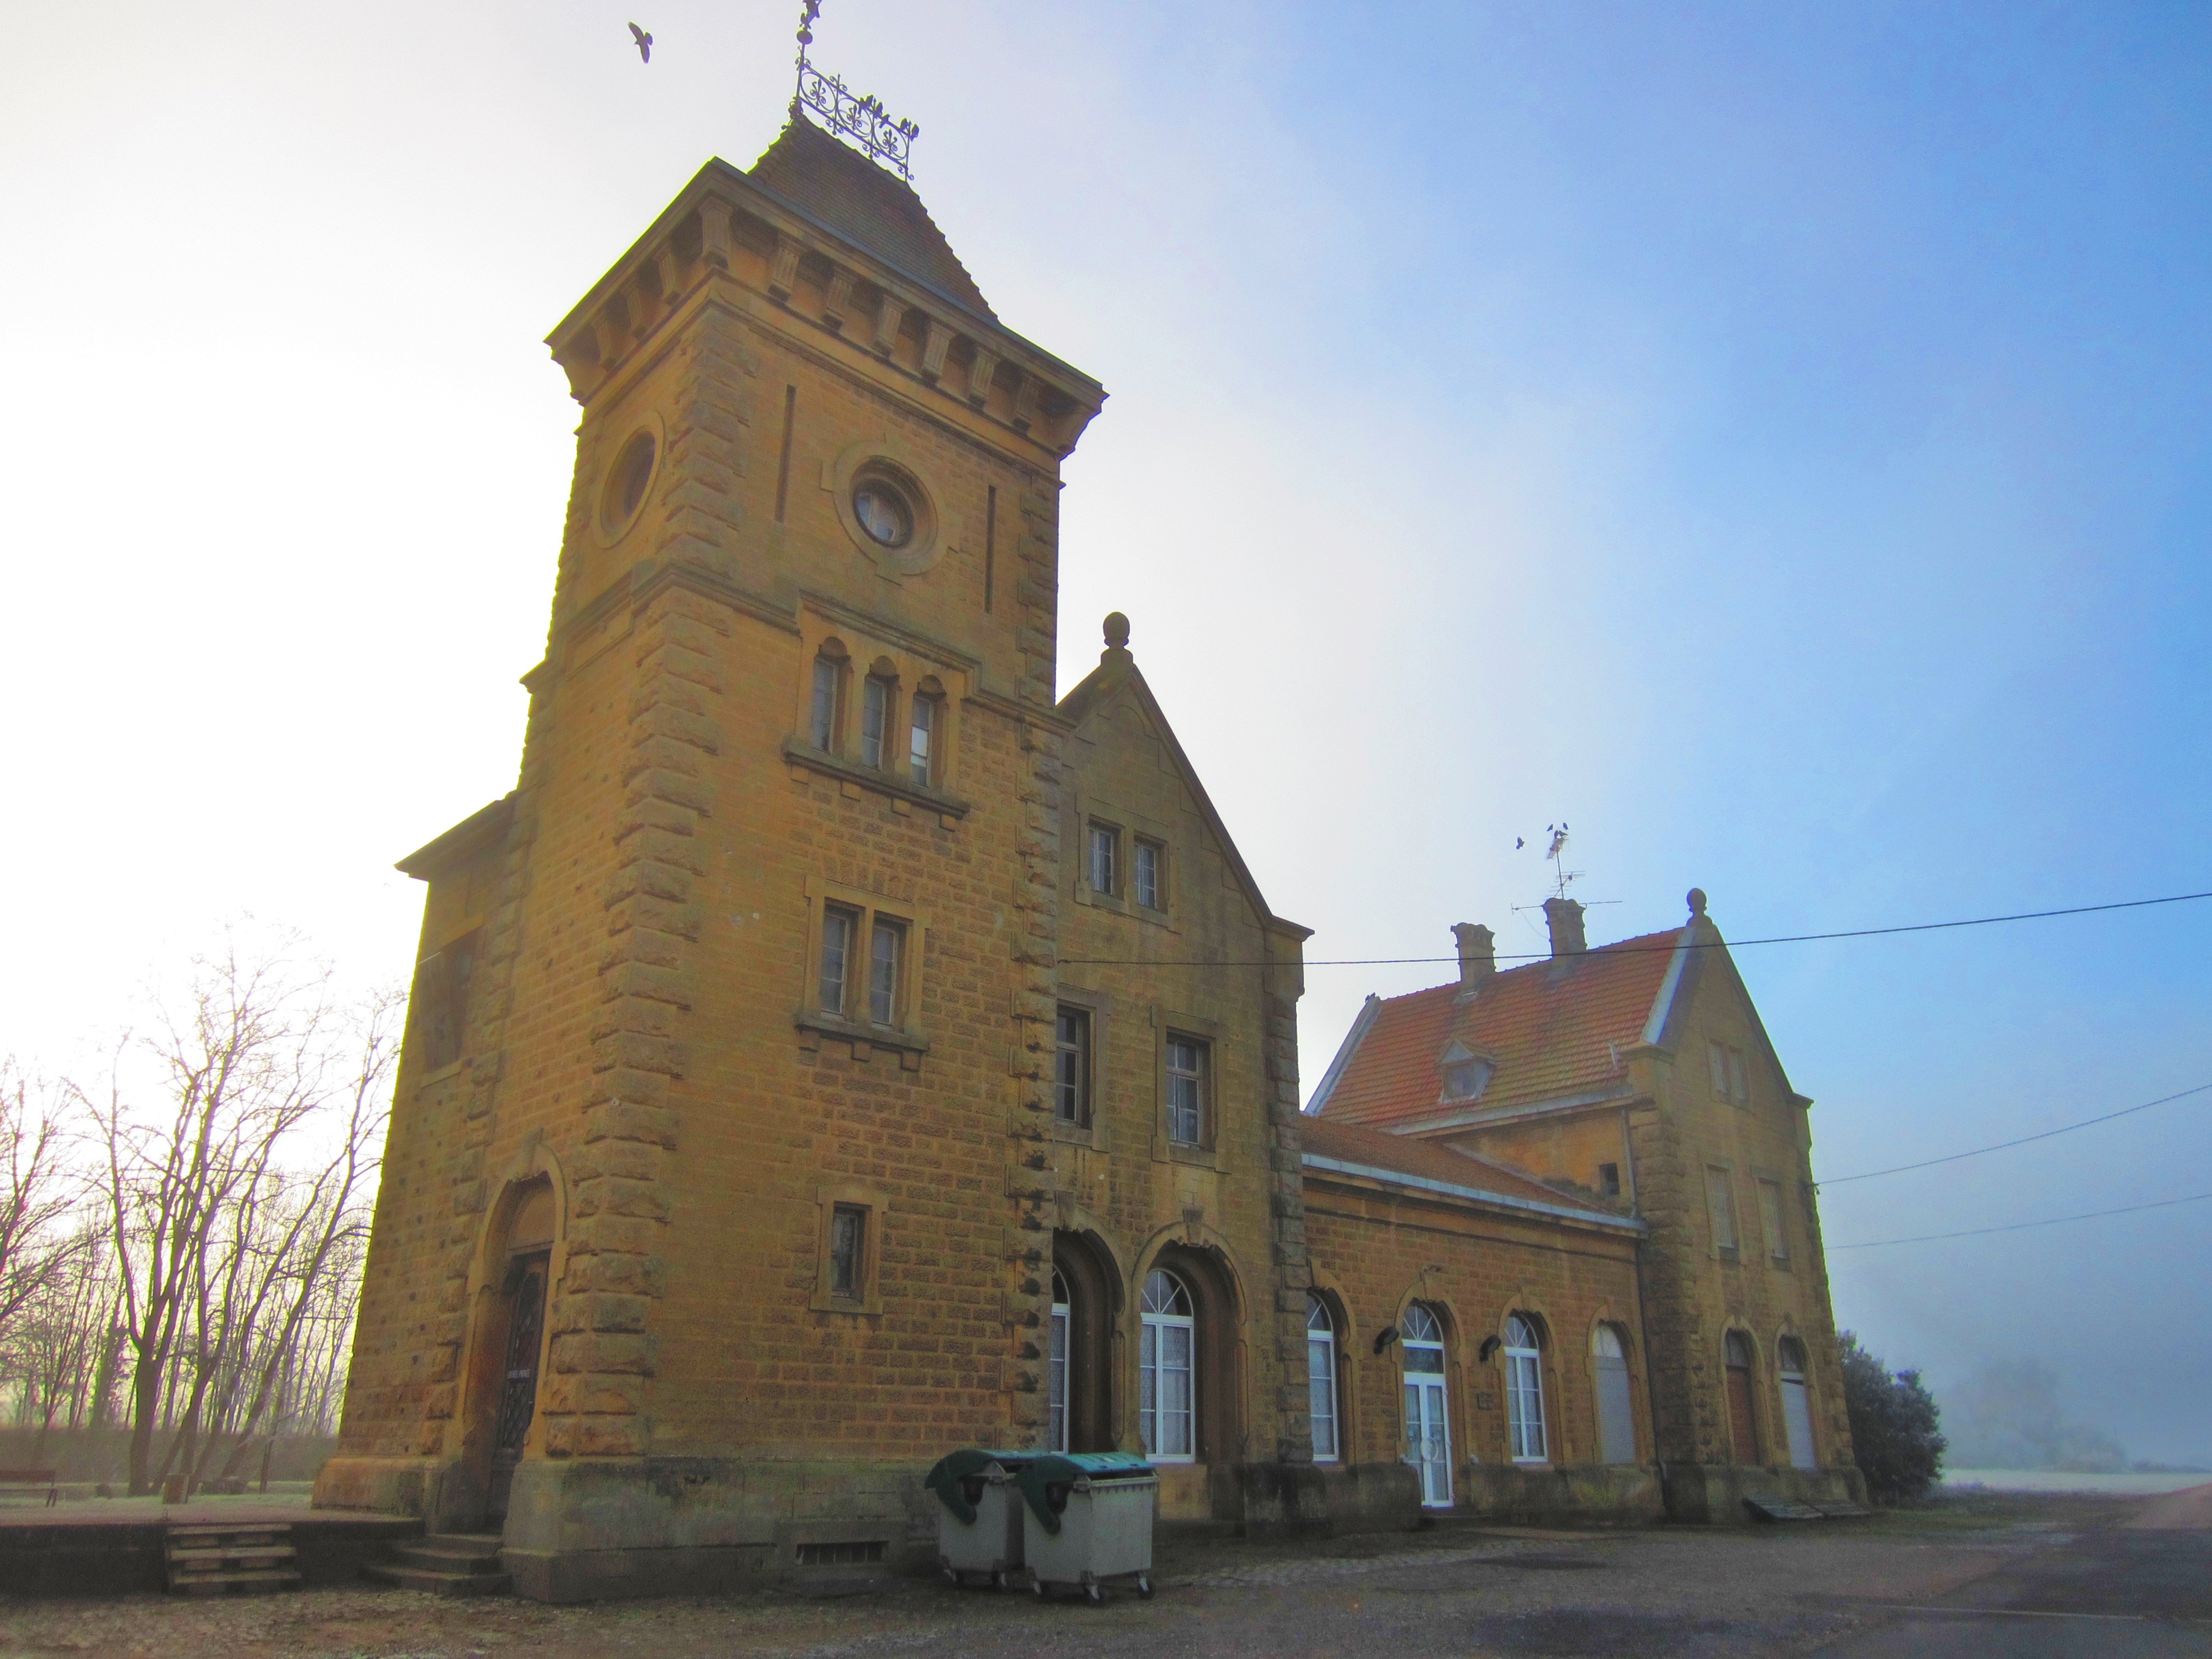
{"x": 452, "y": 1068}
{"x": 1173, "y": 1152}
{"x": 1116, "y": 904}
{"x": 949, "y": 807}
{"x": 1074, "y": 1135}
{"x": 814, "y": 1026}
{"x": 847, "y": 1304}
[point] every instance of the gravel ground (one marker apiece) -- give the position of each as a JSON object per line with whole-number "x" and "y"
{"x": 1778, "y": 1591}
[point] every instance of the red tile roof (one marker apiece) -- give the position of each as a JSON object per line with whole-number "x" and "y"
{"x": 1550, "y": 1029}
{"x": 1346, "y": 1143}
{"x": 870, "y": 207}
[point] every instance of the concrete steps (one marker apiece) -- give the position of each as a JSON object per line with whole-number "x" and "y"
{"x": 445, "y": 1564}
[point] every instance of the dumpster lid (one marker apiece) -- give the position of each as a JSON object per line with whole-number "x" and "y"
{"x": 1109, "y": 1466}
{"x": 944, "y": 1477}
{"x": 1060, "y": 1469}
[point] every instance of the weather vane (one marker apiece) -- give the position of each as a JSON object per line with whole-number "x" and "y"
{"x": 1556, "y": 852}
{"x": 859, "y": 117}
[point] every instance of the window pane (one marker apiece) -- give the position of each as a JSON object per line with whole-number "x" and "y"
{"x": 1718, "y": 1056}
{"x": 1717, "y": 1193}
{"x": 1186, "y": 1091}
{"x": 1148, "y": 875}
{"x": 1770, "y": 1217}
{"x": 1320, "y": 1391}
{"x": 1419, "y": 1357}
{"x": 1103, "y": 849}
{"x": 1148, "y": 1385}
{"x": 883, "y": 972}
{"x": 1056, "y": 1383}
{"x": 836, "y": 957}
{"x": 875, "y": 720}
{"x": 823, "y": 724}
{"x": 1739, "y": 1085}
{"x": 1175, "y": 1389}
{"x": 1071, "y": 1076}
{"x": 925, "y": 728}
{"x": 847, "y": 1230}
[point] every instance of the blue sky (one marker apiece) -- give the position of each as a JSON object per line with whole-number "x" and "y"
{"x": 1772, "y": 440}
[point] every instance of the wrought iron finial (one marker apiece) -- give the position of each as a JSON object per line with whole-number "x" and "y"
{"x": 859, "y": 117}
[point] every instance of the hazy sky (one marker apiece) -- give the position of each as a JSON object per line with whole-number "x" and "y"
{"x": 1773, "y": 439}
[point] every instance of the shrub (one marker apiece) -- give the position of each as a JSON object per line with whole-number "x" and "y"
{"x": 1894, "y": 1425}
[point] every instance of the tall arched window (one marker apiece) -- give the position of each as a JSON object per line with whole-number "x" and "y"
{"x": 1428, "y": 1434}
{"x": 1055, "y": 1417}
{"x": 1743, "y": 1426}
{"x": 1524, "y": 1392}
{"x": 1796, "y": 1404}
{"x": 1616, "y": 1412}
{"x": 1320, "y": 1379}
{"x": 1166, "y": 1388}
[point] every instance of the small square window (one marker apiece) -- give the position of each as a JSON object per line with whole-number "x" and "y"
{"x": 1105, "y": 859}
{"x": 1071, "y": 1095}
{"x": 839, "y": 926}
{"x": 848, "y": 1244}
{"x": 1186, "y": 1069}
{"x": 1145, "y": 875}
{"x": 1608, "y": 1179}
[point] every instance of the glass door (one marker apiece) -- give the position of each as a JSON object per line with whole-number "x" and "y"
{"x": 1428, "y": 1434}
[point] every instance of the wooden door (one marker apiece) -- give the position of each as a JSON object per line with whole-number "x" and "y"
{"x": 1743, "y": 1427}
{"x": 518, "y": 1393}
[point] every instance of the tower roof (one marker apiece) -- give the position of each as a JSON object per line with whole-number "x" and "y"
{"x": 840, "y": 190}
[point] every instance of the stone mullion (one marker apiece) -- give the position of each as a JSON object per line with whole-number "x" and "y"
{"x": 604, "y": 1353}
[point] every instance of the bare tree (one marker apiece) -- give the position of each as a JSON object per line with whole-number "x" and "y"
{"x": 35, "y": 1195}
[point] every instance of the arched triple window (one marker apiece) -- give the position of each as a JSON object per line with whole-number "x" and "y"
{"x": 1428, "y": 1432}
{"x": 1167, "y": 1375}
{"x": 1524, "y": 1392}
{"x": 1796, "y": 1404}
{"x": 1743, "y": 1425}
{"x": 1321, "y": 1381}
{"x": 826, "y": 697}
{"x": 1616, "y": 1412}
{"x": 1056, "y": 1369}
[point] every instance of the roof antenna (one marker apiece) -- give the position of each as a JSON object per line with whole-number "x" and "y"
{"x": 861, "y": 117}
{"x": 1561, "y": 876}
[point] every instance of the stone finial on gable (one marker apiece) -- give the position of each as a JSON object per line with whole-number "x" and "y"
{"x": 1697, "y": 900}
{"x": 1116, "y": 653}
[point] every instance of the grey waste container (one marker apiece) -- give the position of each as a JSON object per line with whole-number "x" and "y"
{"x": 979, "y": 1514}
{"x": 1088, "y": 1518}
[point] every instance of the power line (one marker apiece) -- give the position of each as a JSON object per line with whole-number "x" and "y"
{"x": 2050, "y": 1221}
{"x": 1634, "y": 949}
{"x": 1929, "y": 1163}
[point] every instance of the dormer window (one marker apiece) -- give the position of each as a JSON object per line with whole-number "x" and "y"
{"x": 1466, "y": 1074}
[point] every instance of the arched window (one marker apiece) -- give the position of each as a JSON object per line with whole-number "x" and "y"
{"x": 1166, "y": 1396}
{"x": 1796, "y": 1404}
{"x": 826, "y": 697}
{"x": 1055, "y": 1417}
{"x": 1616, "y": 1412}
{"x": 1743, "y": 1426}
{"x": 925, "y": 734}
{"x": 1320, "y": 1379}
{"x": 1428, "y": 1432}
{"x": 1524, "y": 1391}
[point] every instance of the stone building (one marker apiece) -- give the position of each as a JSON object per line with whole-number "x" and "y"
{"x": 1693, "y": 1362}
{"x": 835, "y": 1050}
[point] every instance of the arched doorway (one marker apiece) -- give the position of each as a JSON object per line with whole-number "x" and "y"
{"x": 1189, "y": 1304}
{"x": 1428, "y": 1428}
{"x": 1080, "y": 1402}
{"x": 506, "y": 1350}
{"x": 1743, "y": 1424}
{"x": 1616, "y": 1410}
{"x": 524, "y": 1296}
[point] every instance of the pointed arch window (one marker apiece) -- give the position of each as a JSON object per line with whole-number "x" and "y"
{"x": 1616, "y": 1413}
{"x": 1524, "y": 1391}
{"x": 1428, "y": 1429}
{"x": 1743, "y": 1422}
{"x": 1320, "y": 1380}
{"x": 1167, "y": 1378}
{"x": 1796, "y": 1404}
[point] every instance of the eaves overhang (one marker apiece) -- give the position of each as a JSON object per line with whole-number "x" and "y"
{"x": 1427, "y": 1184}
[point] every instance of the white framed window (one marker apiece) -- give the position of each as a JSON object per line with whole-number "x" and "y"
{"x": 1524, "y": 1392}
{"x": 1186, "y": 1067}
{"x": 1105, "y": 859}
{"x": 1071, "y": 1090}
{"x": 839, "y": 925}
{"x": 876, "y": 720}
{"x": 921, "y": 740}
{"x": 1428, "y": 1432}
{"x": 886, "y": 957}
{"x": 1055, "y": 1409}
{"x": 1167, "y": 1378}
{"x": 1145, "y": 875}
{"x": 1320, "y": 1380}
{"x": 1721, "y": 1200}
{"x": 822, "y": 707}
{"x": 1616, "y": 1410}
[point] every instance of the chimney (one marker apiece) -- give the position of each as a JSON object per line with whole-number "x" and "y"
{"x": 1478, "y": 953}
{"x": 1566, "y": 917}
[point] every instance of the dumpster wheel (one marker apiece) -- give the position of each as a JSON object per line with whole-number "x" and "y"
{"x": 1095, "y": 1592}
{"x": 1144, "y": 1587}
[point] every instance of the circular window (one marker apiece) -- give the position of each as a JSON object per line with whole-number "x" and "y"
{"x": 626, "y": 484}
{"x": 884, "y": 511}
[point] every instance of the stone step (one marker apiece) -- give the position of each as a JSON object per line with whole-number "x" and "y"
{"x": 446, "y": 1555}
{"x": 438, "y": 1584}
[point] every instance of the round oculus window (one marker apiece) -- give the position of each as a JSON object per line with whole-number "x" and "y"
{"x": 884, "y": 512}
{"x": 626, "y": 483}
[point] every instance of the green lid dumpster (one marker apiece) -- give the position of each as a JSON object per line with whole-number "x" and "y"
{"x": 979, "y": 1514}
{"x": 1087, "y": 1521}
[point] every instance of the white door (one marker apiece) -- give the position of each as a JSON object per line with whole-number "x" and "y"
{"x": 1428, "y": 1439}
{"x": 1797, "y": 1418}
{"x": 1616, "y": 1411}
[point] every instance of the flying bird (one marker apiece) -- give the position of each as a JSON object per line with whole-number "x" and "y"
{"x": 644, "y": 43}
